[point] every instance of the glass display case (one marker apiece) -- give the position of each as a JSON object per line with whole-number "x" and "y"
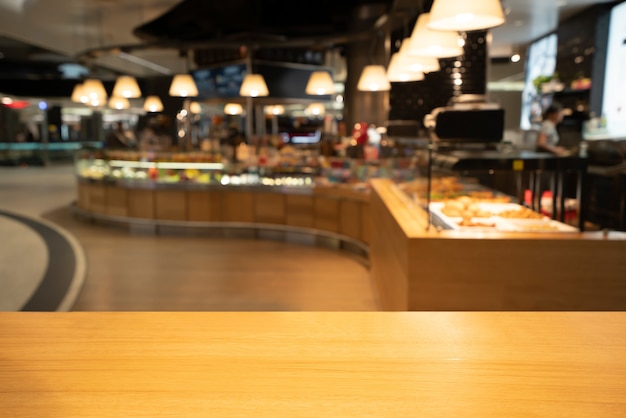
{"x": 490, "y": 191}
{"x": 200, "y": 168}
{"x": 184, "y": 169}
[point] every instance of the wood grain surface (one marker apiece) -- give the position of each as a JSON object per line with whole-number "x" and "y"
{"x": 324, "y": 364}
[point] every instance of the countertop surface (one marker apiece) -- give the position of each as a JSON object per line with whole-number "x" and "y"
{"x": 314, "y": 364}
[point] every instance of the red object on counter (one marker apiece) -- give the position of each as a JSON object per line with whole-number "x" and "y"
{"x": 359, "y": 133}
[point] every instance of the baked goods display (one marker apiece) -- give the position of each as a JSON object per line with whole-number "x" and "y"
{"x": 490, "y": 212}
{"x": 440, "y": 188}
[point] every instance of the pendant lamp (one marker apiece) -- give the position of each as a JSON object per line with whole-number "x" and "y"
{"x": 78, "y": 95}
{"x": 399, "y": 72}
{"x": 373, "y": 78}
{"x": 433, "y": 43}
{"x": 119, "y": 103}
{"x": 95, "y": 92}
{"x": 153, "y": 104}
{"x": 320, "y": 83}
{"x": 275, "y": 110}
{"x": 126, "y": 86}
{"x": 464, "y": 15}
{"x": 233, "y": 109}
{"x": 416, "y": 62}
{"x": 195, "y": 108}
{"x": 183, "y": 85}
{"x": 316, "y": 109}
{"x": 253, "y": 86}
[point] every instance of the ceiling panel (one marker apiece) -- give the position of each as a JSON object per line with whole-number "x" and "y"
{"x": 69, "y": 27}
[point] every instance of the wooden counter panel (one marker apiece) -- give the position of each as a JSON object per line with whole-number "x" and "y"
{"x": 270, "y": 208}
{"x": 82, "y": 200}
{"x": 116, "y": 201}
{"x": 300, "y": 210}
{"x": 366, "y": 222}
{"x": 500, "y": 271}
{"x": 350, "y": 220}
{"x": 326, "y": 213}
{"x": 532, "y": 274}
{"x": 337, "y": 210}
{"x": 237, "y": 206}
{"x": 315, "y": 364}
{"x": 170, "y": 205}
{"x": 141, "y": 204}
{"x": 204, "y": 206}
{"x": 389, "y": 258}
{"x": 95, "y": 197}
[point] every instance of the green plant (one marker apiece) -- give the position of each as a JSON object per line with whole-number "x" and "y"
{"x": 542, "y": 79}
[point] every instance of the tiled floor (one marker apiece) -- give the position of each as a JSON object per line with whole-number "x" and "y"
{"x": 130, "y": 271}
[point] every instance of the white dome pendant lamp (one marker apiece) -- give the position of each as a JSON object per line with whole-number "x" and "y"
{"x": 465, "y": 15}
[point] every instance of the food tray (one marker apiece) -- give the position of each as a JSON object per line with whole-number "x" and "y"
{"x": 452, "y": 222}
{"x": 511, "y": 223}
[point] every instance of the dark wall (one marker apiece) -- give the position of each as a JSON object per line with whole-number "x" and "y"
{"x": 580, "y": 38}
{"x": 414, "y": 100}
{"x": 581, "y": 53}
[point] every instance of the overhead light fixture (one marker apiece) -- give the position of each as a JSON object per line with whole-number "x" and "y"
{"x": 233, "y": 109}
{"x": 95, "y": 92}
{"x": 126, "y": 86}
{"x": 153, "y": 104}
{"x": 275, "y": 110}
{"x": 78, "y": 94}
{"x": 195, "y": 108}
{"x": 119, "y": 103}
{"x": 373, "y": 78}
{"x": 416, "y": 63}
{"x": 515, "y": 57}
{"x": 433, "y": 43}
{"x": 183, "y": 85}
{"x": 320, "y": 83}
{"x": 400, "y": 72}
{"x": 316, "y": 109}
{"x": 464, "y": 15}
{"x": 253, "y": 86}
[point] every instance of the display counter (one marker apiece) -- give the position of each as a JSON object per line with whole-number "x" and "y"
{"x": 313, "y": 364}
{"x": 203, "y": 191}
{"x": 417, "y": 266}
{"x": 503, "y": 256}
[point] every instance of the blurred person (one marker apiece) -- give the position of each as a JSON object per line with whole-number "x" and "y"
{"x": 548, "y": 136}
{"x": 118, "y": 138}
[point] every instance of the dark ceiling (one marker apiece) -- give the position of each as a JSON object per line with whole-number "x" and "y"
{"x": 28, "y": 61}
{"x": 214, "y": 29}
{"x": 264, "y": 20}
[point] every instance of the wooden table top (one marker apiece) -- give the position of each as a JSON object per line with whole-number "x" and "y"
{"x": 273, "y": 364}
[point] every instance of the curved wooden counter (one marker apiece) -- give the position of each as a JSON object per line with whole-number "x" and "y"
{"x": 419, "y": 269}
{"x": 277, "y": 364}
{"x": 335, "y": 210}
